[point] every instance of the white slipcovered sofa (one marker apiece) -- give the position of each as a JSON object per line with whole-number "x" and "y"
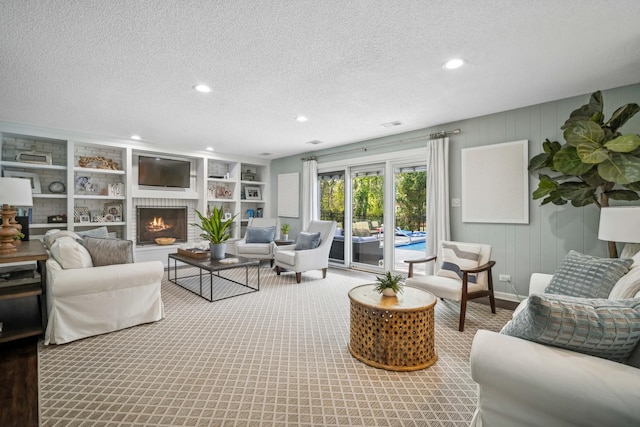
{"x": 85, "y": 300}
{"x": 524, "y": 383}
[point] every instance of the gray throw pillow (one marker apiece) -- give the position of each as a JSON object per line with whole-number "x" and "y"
{"x": 260, "y": 234}
{"x": 109, "y": 251}
{"x": 307, "y": 241}
{"x": 587, "y": 276}
{"x": 597, "y": 327}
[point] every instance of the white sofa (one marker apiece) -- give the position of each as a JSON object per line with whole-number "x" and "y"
{"x": 83, "y": 301}
{"x": 522, "y": 383}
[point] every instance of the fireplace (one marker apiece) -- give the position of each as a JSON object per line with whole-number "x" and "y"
{"x": 154, "y": 222}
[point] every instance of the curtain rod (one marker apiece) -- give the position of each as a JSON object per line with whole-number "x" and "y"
{"x": 441, "y": 134}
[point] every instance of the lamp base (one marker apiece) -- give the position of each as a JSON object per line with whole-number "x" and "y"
{"x": 8, "y": 231}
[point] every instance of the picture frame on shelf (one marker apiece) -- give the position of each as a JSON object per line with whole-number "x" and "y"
{"x": 79, "y": 211}
{"x": 32, "y": 177}
{"x": 82, "y": 182}
{"x": 112, "y": 211}
{"x": 253, "y": 193}
{"x": 115, "y": 190}
{"x": 84, "y": 218}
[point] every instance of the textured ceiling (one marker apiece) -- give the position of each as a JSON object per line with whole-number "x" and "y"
{"x": 119, "y": 67}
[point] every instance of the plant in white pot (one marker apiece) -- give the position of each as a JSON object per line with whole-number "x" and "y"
{"x": 216, "y": 230}
{"x": 389, "y": 285}
{"x": 284, "y": 229}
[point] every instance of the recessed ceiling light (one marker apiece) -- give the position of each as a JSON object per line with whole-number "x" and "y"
{"x": 136, "y": 137}
{"x": 452, "y": 64}
{"x": 202, "y": 88}
{"x": 301, "y": 119}
{"x": 264, "y": 154}
{"x": 314, "y": 142}
{"x": 209, "y": 148}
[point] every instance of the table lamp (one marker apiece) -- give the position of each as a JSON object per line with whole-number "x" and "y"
{"x": 13, "y": 192}
{"x": 620, "y": 224}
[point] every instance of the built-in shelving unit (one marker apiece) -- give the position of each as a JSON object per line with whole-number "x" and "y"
{"x": 237, "y": 185}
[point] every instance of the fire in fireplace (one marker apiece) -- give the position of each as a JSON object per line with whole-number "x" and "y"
{"x": 154, "y": 222}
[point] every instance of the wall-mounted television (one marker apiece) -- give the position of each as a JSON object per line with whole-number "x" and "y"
{"x": 159, "y": 172}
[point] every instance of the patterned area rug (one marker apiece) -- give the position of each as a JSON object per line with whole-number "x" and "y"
{"x": 277, "y": 357}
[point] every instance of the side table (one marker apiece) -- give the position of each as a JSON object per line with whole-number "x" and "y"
{"x": 393, "y": 333}
{"x": 280, "y": 242}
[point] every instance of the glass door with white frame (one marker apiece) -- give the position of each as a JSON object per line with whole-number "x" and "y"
{"x": 367, "y": 217}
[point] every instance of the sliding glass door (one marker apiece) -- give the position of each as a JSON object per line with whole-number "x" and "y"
{"x": 367, "y": 214}
{"x": 331, "y": 191}
{"x": 410, "y": 213}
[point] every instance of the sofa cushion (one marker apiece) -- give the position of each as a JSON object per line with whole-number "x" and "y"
{"x": 597, "y": 327}
{"x": 587, "y": 276}
{"x": 99, "y": 232}
{"x": 52, "y": 235}
{"x": 109, "y": 251}
{"x": 260, "y": 234}
{"x": 456, "y": 257}
{"x": 307, "y": 241}
{"x": 69, "y": 253}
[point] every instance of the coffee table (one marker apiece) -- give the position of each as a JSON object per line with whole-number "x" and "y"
{"x": 393, "y": 333}
{"x": 219, "y": 286}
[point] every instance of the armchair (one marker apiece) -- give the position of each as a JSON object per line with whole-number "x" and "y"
{"x": 288, "y": 258}
{"x": 260, "y": 249}
{"x": 464, "y": 273}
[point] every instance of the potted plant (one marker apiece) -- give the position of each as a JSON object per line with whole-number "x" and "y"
{"x": 284, "y": 229}
{"x": 389, "y": 285}
{"x": 596, "y": 164}
{"x": 216, "y": 230}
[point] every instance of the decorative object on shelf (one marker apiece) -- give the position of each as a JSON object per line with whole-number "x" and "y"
{"x": 13, "y": 192}
{"x": 79, "y": 211}
{"x": 259, "y": 212}
{"x": 57, "y": 187}
{"x": 227, "y": 216}
{"x": 595, "y": 159}
{"x": 56, "y": 219}
{"x": 250, "y": 213}
{"x": 81, "y": 183}
{"x": 389, "y": 285}
{"x": 92, "y": 188}
{"x": 221, "y": 192}
{"x": 165, "y": 240}
{"x": 84, "y": 218}
{"x": 253, "y": 193}
{"x": 216, "y": 231}
{"x": 97, "y": 162}
{"x": 284, "y": 229}
{"x": 32, "y": 177}
{"x": 113, "y": 209}
{"x": 247, "y": 176}
{"x": 115, "y": 190}
{"x": 33, "y": 157}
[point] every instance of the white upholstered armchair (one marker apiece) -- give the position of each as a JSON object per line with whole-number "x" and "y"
{"x": 257, "y": 242}
{"x": 301, "y": 259}
{"x": 462, "y": 272}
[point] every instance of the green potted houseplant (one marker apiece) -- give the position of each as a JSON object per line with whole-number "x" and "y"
{"x": 389, "y": 285}
{"x": 597, "y": 163}
{"x": 216, "y": 230}
{"x": 284, "y": 229}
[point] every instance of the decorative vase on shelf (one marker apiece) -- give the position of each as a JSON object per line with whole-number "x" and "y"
{"x": 217, "y": 250}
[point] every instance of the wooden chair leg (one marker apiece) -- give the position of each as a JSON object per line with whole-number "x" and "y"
{"x": 492, "y": 300}
{"x": 324, "y": 273}
{"x": 298, "y": 277}
{"x": 463, "y": 309}
{"x": 271, "y": 263}
{"x": 278, "y": 270}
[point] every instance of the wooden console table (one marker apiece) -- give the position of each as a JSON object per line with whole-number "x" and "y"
{"x": 394, "y": 333}
{"x": 18, "y": 312}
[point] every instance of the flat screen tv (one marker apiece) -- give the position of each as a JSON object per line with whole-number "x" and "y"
{"x": 158, "y": 172}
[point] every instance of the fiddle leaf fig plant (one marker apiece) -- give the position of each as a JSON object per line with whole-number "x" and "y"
{"x": 595, "y": 164}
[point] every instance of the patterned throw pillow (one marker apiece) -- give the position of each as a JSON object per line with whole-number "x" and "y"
{"x": 260, "y": 234}
{"x": 109, "y": 251}
{"x": 597, "y": 327}
{"x": 307, "y": 241}
{"x": 587, "y": 276}
{"x": 456, "y": 257}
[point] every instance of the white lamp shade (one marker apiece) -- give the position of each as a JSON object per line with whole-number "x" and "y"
{"x": 15, "y": 192}
{"x": 620, "y": 224}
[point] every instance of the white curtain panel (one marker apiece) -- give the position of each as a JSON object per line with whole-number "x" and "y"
{"x": 309, "y": 192}
{"x": 438, "y": 224}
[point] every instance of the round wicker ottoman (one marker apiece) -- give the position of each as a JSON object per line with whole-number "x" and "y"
{"x": 394, "y": 333}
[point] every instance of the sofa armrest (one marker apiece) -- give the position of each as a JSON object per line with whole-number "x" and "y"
{"x": 539, "y": 282}
{"x": 523, "y": 383}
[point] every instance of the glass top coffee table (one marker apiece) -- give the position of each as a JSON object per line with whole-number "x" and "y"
{"x": 224, "y": 280}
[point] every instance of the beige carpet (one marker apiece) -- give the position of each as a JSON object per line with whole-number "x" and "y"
{"x": 277, "y": 357}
